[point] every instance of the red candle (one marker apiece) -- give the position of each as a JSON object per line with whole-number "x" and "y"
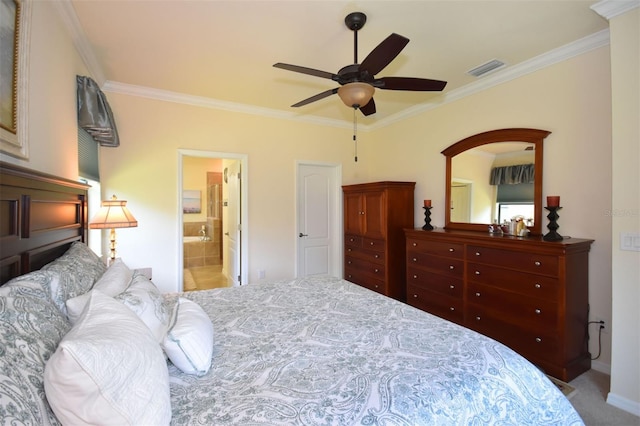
{"x": 553, "y": 201}
{"x": 427, "y": 203}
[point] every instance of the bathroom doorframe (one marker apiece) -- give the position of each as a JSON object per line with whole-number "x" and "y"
{"x": 244, "y": 191}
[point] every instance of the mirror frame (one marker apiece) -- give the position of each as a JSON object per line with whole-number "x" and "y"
{"x": 533, "y": 136}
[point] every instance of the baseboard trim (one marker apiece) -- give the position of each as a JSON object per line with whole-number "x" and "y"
{"x": 625, "y": 404}
{"x": 601, "y": 367}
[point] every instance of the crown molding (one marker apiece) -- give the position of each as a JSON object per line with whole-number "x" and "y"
{"x": 611, "y": 8}
{"x": 204, "y": 102}
{"x": 578, "y": 47}
{"x": 68, "y": 14}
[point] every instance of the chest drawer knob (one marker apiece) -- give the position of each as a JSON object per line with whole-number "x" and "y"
{"x": 349, "y": 250}
{"x": 451, "y": 267}
{"x": 477, "y": 253}
{"x": 478, "y": 318}
{"x": 477, "y": 272}
{"x": 377, "y": 256}
{"x": 376, "y": 286}
{"x": 538, "y": 311}
{"x": 415, "y": 296}
{"x": 376, "y": 270}
{"x": 415, "y": 277}
{"x": 537, "y": 263}
{"x": 452, "y": 308}
{"x": 478, "y": 294}
{"x": 372, "y": 243}
{"x": 414, "y": 260}
{"x": 451, "y": 250}
{"x": 350, "y": 276}
{"x": 351, "y": 239}
{"x": 537, "y": 285}
{"x": 415, "y": 244}
{"x": 349, "y": 262}
{"x": 451, "y": 286}
{"x": 538, "y": 340}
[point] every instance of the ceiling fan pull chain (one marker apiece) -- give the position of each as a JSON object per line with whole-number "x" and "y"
{"x": 355, "y": 131}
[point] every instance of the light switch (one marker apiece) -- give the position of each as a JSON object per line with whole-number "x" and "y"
{"x": 629, "y": 241}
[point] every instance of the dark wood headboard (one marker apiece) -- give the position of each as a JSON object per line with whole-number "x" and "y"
{"x": 41, "y": 215}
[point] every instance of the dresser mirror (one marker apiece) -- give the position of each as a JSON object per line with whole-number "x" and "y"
{"x": 475, "y": 199}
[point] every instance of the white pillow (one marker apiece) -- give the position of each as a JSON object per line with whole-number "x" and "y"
{"x": 113, "y": 282}
{"x": 189, "y": 340}
{"x": 144, "y": 298}
{"x": 108, "y": 370}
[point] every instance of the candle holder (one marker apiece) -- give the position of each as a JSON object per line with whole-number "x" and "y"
{"x": 427, "y": 219}
{"x": 553, "y": 216}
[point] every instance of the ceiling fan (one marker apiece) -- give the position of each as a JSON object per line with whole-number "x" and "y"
{"x": 358, "y": 81}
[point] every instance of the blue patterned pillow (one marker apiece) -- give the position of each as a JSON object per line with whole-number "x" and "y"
{"x": 31, "y": 326}
{"x": 79, "y": 269}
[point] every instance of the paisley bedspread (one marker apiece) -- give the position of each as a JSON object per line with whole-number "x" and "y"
{"x": 322, "y": 351}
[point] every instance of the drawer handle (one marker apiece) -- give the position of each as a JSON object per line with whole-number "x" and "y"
{"x": 351, "y": 239}
{"x": 537, "y": 263}
{"x": 371, "y": 243}
{"x": 376, "y": 286}
{"x": 362, "y": 213}
{"x": 415, "y": 296}
{"x": 376, "y": 270}
{"x": 537, "y": 285}
{"x": 451, "y": 267}
{"x": 350, "y": 276}
{"x": 349, "y": 262}
{"x": 452, "y": 308}
{"x": 414, "y": 259}
{"x": 377, "y": 256}
{"x": 451, "y": 286}
{"x": 415, "y": 244}
{"x": 538, "y": 311}
{"x": 477, "y": 272}
{"x": 451, "y": 250}
{"x": 477, "y": 318}
{"x": 478, "y": 294}
{"x": 477, "y": 253}
{"x": 349, "y": 249}
{"x": 538, "y": 340}
{"x": 415, "y": 277}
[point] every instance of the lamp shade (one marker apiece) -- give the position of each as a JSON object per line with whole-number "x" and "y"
{"x": 356, "y": 95}
{"x": 113, "y": 213}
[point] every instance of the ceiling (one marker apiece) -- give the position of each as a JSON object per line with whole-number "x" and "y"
{"x": 220, "y": 53}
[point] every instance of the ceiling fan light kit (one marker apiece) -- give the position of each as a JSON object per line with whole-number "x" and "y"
{"x": 358, "y": 81}
{"x": 356, "y": 95}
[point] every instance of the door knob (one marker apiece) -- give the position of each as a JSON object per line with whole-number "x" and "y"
{"x": 302, "y": 235}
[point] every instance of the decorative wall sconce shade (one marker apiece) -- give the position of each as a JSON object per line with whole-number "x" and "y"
{"x": 113, "y": 214}
{"x": 356, "y": 95}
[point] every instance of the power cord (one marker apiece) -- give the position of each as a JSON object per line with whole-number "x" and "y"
{"x": 599, "y": 336}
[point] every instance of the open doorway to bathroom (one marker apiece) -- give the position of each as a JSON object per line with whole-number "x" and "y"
{"x": 211, "y": 210}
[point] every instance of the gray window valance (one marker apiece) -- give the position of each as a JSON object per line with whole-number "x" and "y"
{"x": 94, "y": 113}
{"x": 512, "y": 175}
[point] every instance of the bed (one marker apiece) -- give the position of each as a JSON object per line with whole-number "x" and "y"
{"x": 309, "y": 351}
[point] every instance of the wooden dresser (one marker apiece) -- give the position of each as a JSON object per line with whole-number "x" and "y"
{"x": 375, "y": 215}
{"x": 529, "y": 294}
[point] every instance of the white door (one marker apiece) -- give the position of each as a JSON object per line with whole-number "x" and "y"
{"x": 460, "y": 202}
{"x": 233, "y": 224}
{"x": 318, "y": 219}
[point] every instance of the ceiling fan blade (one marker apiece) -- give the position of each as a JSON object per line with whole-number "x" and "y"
{"x": 305, "y": 70}
{"x": 409, "y": 83}
{"x": 316, "y": 97}
{"x": 369, "y": 108}
{"x": 383, "y": 54}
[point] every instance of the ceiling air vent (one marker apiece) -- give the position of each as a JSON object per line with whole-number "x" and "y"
{"x": 486, "y": 68}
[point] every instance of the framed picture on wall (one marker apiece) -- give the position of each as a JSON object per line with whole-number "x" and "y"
{"x": 15, "y": 17}
{"x": 191, "y": 201}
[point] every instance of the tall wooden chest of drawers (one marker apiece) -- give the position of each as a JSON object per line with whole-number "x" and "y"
{"x": 375, "y": 215}
{"x": 529, "y": 294}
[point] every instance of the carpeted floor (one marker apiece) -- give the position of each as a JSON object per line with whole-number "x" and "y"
{"x": 590, "y": 401}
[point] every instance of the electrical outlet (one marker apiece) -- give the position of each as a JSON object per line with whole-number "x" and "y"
{"x": 602, "y": 325}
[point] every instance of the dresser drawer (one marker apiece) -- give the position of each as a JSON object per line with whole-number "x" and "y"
{"x": 532, "y": 344}
{"x": 441, "y": 284}
{"x": 449, "y": 308}
{"x": 440, "y": 265}
{"x": 363, "y": 266}
{"x": 528, "y": 285}
{"x": 522, "y": 261}
{"x": 368, "y": 255}
{"x": 535, "y": 314}
{"x": 364, "y": 280}
{"x": 455, "y": 251}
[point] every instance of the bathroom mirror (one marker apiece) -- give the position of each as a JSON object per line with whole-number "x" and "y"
{"x": 472, "y": 201}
